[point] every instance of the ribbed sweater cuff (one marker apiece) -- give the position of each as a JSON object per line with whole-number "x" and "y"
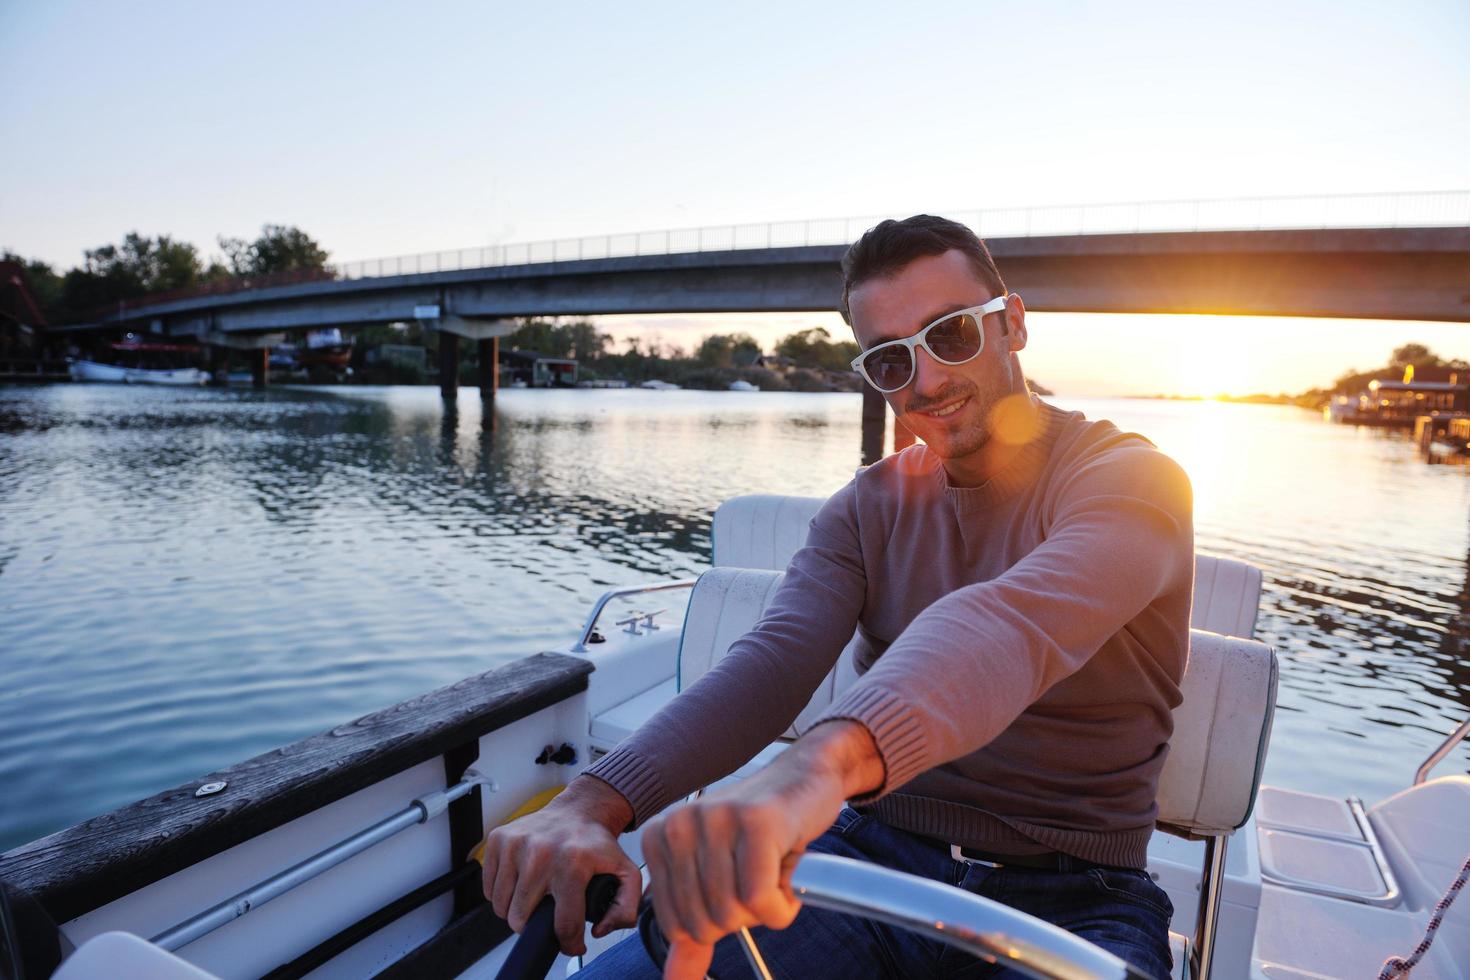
{"x": 638, "y": 781}
{"x": 896, "y": 729}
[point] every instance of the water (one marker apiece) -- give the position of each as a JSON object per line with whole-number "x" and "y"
{"x": 191, "y": 577}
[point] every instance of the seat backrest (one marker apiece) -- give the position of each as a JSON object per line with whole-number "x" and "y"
{"x": 765, "y": 530}
{"x": 1221, "y": 728}
{"x": 1227, "y": 595}
{"x": 761, "y": 530}
{"x": 726, "y": 603}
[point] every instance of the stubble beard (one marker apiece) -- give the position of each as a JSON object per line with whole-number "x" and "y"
{"x": 982, "y": 403}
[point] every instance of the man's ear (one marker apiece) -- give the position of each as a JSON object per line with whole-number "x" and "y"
{"x": 1013, "y": 323}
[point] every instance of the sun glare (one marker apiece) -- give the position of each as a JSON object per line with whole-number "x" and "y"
{"x": 1212, "y": 356}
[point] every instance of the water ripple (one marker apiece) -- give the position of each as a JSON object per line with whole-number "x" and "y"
{"x": 188, "y": 578}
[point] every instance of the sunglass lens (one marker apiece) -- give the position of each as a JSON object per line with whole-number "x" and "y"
{"x": 889, "y": 367}
{"x": 956, "y": 339}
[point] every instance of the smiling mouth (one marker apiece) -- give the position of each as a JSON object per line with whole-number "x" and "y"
{"x": 945, "y": 411}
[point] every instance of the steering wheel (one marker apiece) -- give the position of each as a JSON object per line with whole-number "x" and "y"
{"x": 994, "y": 932}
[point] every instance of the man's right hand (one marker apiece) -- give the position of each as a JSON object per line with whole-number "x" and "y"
{"x": 557, "y": 850}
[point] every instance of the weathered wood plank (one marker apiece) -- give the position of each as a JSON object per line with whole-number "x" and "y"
{"x": 88, "y": 865}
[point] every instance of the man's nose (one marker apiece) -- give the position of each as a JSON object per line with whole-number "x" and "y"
{"x": 930, "y": 376}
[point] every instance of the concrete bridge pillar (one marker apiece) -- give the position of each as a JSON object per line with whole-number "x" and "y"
{"x": 218, "y": 365}
{"x": 875, "y": 418}
{"x": 489, "y": 365}
{"x": 875, "y": 414}
{"x": 256, "y": 347}
{"x": 486, "y": 333}
{"x": 902, "y": 437}
{"x": 449, "y": 367}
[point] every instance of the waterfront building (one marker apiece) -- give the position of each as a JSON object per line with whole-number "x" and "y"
{"x": 1426, "y": 391}
{"x": 536, "y": 370}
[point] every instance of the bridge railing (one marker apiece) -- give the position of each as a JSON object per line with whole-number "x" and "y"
{"x": 1409, "y": 210}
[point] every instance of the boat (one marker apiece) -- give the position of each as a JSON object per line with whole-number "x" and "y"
{"x": 325, "y": 348}
{"x": 283, "y": 357}
{"x": 137, "y": 361}
{"x": 654, "y": 384}
{"x": 740, "y": 384}
{"x": 349, "y": 853}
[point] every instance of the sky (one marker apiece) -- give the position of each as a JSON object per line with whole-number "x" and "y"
{"x": 391, "y": 128}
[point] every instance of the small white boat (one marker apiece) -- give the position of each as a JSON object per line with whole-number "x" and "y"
{"x": 740, "y": 384}
{"x": 653, "y": 384}
{"x": 344, "y": 854}
{"x": 84, "y": 370}
{"x": 141, "y": 360}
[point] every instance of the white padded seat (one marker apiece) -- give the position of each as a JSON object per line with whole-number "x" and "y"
{"x": 765, "y": 530}
{"x": 123, "y": 956}
{"x": 1221, "y": 728}
{"x": 761, "y": 530}
{"x": 1227, "y": 594}
{"x": 727, "y": 603}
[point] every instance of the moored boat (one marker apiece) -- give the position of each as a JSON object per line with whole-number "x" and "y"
{"x": 136, "y": 361}
{"x": 347, "y": 853}
{"x": 325, "y": 348}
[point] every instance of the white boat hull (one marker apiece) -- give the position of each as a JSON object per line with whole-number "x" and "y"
{"x": 96, "y": 371}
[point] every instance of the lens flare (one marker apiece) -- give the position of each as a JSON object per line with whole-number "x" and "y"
{"x": 1014, "y": 420}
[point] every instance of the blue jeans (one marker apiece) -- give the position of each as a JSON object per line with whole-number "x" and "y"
{"x": 1122, "y": 911}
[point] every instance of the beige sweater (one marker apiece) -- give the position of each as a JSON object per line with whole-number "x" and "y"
{"x": 1023, "y": 643}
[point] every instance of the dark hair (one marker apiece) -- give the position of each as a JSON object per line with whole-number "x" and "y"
{"x": 890, "y": 245}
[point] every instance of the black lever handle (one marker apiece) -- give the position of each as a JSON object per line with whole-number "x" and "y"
{"x": 536, "y": 949}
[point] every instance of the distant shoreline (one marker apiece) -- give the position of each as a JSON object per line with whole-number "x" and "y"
{"x": 1295, "y": 400}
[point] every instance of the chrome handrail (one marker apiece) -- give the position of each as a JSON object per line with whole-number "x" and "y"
{"x": 421, "y": 810}
{"x": 1445, "y": 747}
{"x": 611, "y": 594}
{"x": 980, "y": 926}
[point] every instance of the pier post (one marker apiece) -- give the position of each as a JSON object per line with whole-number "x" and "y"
{"x": 449, "y": 366}
{"x": 219, "y": 365}
{"x": 875, "y": 414}
{"x": 260, "y": 367}
{"x": 902, "y": 437}
{"x": 489, "y": 365}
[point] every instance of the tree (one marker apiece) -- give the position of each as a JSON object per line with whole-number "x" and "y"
{"x": 279, "y": 248}
{"x": 137, "y": 266}
{"x": 584, "y": 341}
{"x": 813, "y": 348}
{"x": 145, "y": 265}
{"x": 1416, "y": 354}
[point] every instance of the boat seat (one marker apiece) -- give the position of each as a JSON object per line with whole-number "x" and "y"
{"x": 766, "y": 530}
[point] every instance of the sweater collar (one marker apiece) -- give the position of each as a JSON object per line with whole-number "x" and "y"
{"x": 1020, "y": 473}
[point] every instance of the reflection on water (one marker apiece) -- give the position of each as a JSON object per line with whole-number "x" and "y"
{"x": 188, "y": 578}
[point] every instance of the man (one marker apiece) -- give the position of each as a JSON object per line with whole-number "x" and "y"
{"x": 1021, "y": 585}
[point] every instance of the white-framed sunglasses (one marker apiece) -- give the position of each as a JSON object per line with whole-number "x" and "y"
{"x": 952, "y": 339}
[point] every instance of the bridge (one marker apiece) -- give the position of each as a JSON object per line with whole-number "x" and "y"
{"x": 1382, "y": 256}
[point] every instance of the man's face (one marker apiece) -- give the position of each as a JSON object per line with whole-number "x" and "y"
{"x": 949, "y": 406}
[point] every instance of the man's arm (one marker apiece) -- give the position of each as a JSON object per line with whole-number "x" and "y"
{"x": 743, "y": 704}
{"x": 757, "y": 689}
